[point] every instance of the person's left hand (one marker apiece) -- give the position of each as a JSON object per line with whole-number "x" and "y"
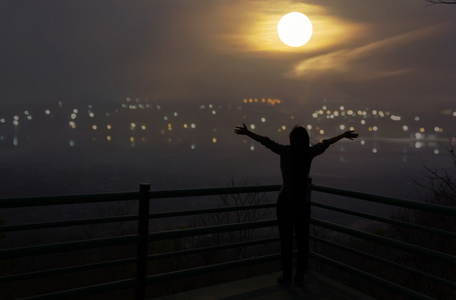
{"x": 242, "y": 130}
{"x": 350, "y": 135}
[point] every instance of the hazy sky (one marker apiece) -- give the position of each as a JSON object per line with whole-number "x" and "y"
{"x": 399, "y": 53}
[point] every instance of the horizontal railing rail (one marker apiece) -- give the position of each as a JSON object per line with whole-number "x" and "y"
{"x": 61, "y": 271}
{"x": 66, "y": 199}
{"x": 210, "y": 230}
{"x": 376, "y": 279}
{"x": 386, "y": 241}
{"x": 385, "y": 262}
{"x": 89, "y": 290}
{"x": 213, "y": 191}
{"x": 435, "y": 208}
{"x": 47, "y": 225}
{"x": 67, "y": 246}
{"x": 144, "y": 238}
{"x": 212, "y": 268}
{"x": 213, "y": 248}
{"x": 386, "y": 220}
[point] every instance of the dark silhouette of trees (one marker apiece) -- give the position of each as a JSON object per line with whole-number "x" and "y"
{"x": 441, "y": 190}
{"x": 242, "y": 216}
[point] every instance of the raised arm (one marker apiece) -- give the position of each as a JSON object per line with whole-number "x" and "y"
{"x": 348, "y": 134}
{"x": 243, "y": 130}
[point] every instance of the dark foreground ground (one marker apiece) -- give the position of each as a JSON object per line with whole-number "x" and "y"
{"x": 265, "y": 287}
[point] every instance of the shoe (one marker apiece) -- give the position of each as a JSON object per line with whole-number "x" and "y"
{"x": 283, "y": 280}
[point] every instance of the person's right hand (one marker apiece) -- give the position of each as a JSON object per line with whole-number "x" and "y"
{"x": 242, "y": 130}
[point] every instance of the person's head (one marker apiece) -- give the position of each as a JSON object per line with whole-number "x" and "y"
{"x": 299, "y": 137}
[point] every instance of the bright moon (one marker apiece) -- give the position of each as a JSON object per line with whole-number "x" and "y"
{"x": 295, "y": 29}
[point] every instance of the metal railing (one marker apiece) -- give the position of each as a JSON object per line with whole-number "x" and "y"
{"x": 143, "y": 238}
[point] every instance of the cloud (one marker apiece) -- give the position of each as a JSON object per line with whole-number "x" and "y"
{"x": 369, "y": 61}
{"x": 250, "y": 27}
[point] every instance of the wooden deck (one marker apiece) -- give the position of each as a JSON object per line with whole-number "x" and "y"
{"x": 265, "y": 287}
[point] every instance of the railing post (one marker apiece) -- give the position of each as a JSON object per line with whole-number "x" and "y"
{"x": 143, "y": 231}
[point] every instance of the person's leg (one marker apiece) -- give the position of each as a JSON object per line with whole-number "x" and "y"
{"x": 301, "y": 227}
{"x": 286, "y": 236}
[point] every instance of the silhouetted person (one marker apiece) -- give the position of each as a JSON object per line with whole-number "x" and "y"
{"x": 293, "y": 204}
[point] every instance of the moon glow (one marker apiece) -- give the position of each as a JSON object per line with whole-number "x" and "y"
{"x": 294, "y": 29}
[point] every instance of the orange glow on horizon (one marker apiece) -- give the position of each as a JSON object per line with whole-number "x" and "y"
{"x": 258, "y": 32}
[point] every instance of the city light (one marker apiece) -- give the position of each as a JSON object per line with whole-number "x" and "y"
{"x": 332, "y": 118}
